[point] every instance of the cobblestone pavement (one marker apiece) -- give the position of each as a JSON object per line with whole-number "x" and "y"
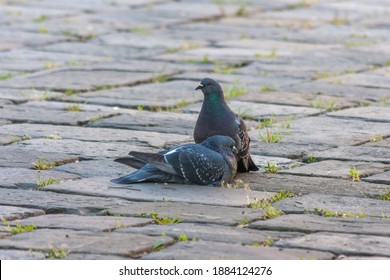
{"x": 85, "y": 82}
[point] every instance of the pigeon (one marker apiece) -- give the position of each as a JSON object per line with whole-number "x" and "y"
{"x": 209, "y": 163}
{"x": 216, "y": 118}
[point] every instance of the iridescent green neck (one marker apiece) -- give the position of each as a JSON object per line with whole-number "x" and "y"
{"x": 215, "y": 100}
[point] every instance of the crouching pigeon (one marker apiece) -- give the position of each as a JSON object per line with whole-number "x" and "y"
{"x": 216, "y": 118}
{"x": 209, "y": 163}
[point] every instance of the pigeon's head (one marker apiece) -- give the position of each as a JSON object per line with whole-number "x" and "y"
{"x": 209, "y": 86}
{"x": 221, "y": 143}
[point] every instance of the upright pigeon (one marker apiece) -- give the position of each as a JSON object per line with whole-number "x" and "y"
{"x": 209, "y": 163}
{"x": 216, "y": 118}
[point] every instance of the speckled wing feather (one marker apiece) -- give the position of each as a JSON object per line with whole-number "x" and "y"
{"x": 198, "y": 164}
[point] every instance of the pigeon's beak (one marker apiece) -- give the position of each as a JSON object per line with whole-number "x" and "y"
{"x": 199, "y": 87}
{"x": 235, "y": 151}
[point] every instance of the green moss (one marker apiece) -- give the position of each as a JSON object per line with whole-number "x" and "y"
{"x": 164, "y": 220}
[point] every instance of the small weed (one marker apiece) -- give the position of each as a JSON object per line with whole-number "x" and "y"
{"x": 97, "y": 118}
{"x": 182, "y": 103}
{"x": 238, "y": 184}
{"x": 43, "y": 30}
{"x": 42, "y": 165}
{"x": 69, "y": 92}
{"x": 49, "y": 65}
{"x": 272, "y": 212}
{"x": 140, "y": 107}
{"x": 376, "y": 138}
{"x": 244, "y": 222}
{"x": 385, "y": 196}
{"x": 272, "y": 168}
{"x": 204, "y": 60}
{"x": 384, "y": 101}
{"x": 337, "y": 20}
{"x": 234, "y": 90}
{"x": 160, "y": 78}
{"x": 73, "y": 108}
{"x": 158, "y": 245}
{"x": 53, "y": 137}
{"x": 183, "y": 47}
{"x": 22, "y": 228}
{"x": 266, "y": 123}
{"x": 266, "y": 88}
{"x": 267, "y": 242}
{"x": 224, "y": 69}
{"x": 271, "y": 136}
{"x": 55, "y": 253}
{"x": 265, "y": 204}
{"x": 355, "y": 174}
{"x": 40, "y": 19}
{"x": 244, "y": 36}
{"x": 328, "y": 213}
{"x": 164, "y": 220}
{"x": 24, "y": 137}
{"x": 141, "y": 30}
{"x": 327, "y": 105}
{"x": 311, "y": 159}
{"x": 73, "y": 63}
{"x": 272, "y": 54}
{"x": 43, "y": 183}
{"x": 106, "y": 87}
{"x": 242, "y": 12}
{"x": 7, "y": 76}
{"x": 183, "y": 238}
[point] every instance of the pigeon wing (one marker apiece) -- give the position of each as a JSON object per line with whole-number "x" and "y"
{"x": 198, "y": 164}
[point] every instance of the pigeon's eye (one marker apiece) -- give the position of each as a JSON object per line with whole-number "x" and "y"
{"x": 209, "y": 83}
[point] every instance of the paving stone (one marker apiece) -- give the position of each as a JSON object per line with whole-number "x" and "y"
{"x": 21, "y": 255}
{"x": 100, "y": 186}
{"x": 378, "y": 141}
{"x": 54, "y": 203}
{"x": 334, "y": 203}
{"x": 6, "y": 139}
{"x": 375, "y": 79}
{"x": 248, "y": 81}
{"x": 314, "y": 223}
{"x": 24, "y": 95}
{"x": 300, "y": 99}
{"x": 93, "y": 168}
{"x": 372, "y": 114}
{"x": 214, "y": 233}
{"x": 139, "y": 138}
{"x": 327, "y": 131}
{"x": 264, "y": 47}
{"x": 13, "y": 13}
{"x": 169, "y": 94}
{"x": 87, "y": 223}
{"x": 27, "y": 178}
{"x": 30, "y": 39}
{"x": 52, "y": 57}
{"x": 84, "y": 242}
{"x": 281, "y": 149}
{"x": 336, "y": 89}
{"x": 347, "y": 35}
{"x": 337, "y": 169}
{"x": 10, "y": 213}
{"x": 162, "y": 122}
{"x": 202, "y": 250}
{"x": 120, "y": 52}
{"x": 11, "y": 156}
{"x": 82, "y": 149}
{"x": 382, "y": 178}
{"x": 348, "y": 244}
{"x": 50, "y": 116}
{"x": 189, "y": 212}
{"x": 259, "y": 111}
{"x": 63, "y": 80}
{"x": 358, "y": 153}
{"x": 316, "y": 185}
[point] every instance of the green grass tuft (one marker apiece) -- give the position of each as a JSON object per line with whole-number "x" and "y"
{"x": 164, "y": 220}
